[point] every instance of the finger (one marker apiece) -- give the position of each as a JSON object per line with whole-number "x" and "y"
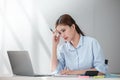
{"x": 63, "y": 72}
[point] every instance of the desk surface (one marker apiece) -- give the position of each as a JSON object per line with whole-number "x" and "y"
{"x": 63, "y": 77}
{"x": 52, "y": 78}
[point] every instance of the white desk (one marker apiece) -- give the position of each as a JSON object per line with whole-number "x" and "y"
{"x": 53, "y": 78}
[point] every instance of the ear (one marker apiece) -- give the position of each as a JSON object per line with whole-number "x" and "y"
{"x": 73, "y": 26}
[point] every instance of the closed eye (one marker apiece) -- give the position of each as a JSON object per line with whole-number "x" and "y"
{"x": 63, "y": 30}
{"x": 59, "y": 33}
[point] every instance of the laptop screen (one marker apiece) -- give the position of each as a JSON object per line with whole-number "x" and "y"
{"x": 20, "y": 63}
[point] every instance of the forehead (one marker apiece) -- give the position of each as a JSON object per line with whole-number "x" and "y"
{"x": 60, "y": 27}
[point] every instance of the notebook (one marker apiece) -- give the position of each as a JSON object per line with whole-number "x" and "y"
{"x": 21, "y": 64}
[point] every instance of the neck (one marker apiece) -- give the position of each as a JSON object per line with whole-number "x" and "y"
{"x": 75, "y": 40}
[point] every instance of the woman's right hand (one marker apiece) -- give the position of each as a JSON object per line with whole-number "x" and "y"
{"x": 56, "y": 38}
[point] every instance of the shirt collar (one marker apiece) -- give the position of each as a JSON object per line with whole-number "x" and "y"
{"x": 80, "y": 43}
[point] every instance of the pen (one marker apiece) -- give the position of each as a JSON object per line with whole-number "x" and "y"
{"x": 51, "y": 30}
{"x": 57, "y": 34}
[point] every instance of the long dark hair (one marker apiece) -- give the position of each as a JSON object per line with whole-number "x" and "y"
{"x": 68, "y": 20}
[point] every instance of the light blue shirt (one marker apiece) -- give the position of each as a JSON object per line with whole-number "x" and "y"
{"x": 88, "y": 54}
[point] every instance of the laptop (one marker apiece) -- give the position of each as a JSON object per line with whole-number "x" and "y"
{"x": 21, "y": 64}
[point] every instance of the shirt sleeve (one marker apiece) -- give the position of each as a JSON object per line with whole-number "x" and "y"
{"x": 99, "y": 59}
{"x": 61, "y": 60}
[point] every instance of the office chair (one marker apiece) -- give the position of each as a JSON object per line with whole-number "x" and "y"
{"x": 106, "y": 61}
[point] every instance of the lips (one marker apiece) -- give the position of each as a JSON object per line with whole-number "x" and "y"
{"x": 66, "y": 38}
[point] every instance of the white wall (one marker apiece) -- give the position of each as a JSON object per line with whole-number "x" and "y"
{"x": 24, "y": 25}
{"x": 107, "y": 30}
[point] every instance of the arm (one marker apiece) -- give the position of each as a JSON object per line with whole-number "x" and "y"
{"x": 99, "y": 58}
{"x": 54, "y": 61}
{"x": 78, "y": 72}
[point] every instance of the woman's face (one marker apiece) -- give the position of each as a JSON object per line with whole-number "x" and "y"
{"x": 66, "y": 32}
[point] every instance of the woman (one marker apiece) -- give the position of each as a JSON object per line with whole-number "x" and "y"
{"x": 79, "y": 53}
